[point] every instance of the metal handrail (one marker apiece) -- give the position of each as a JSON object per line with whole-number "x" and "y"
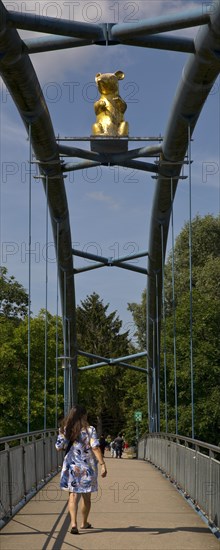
{"x": 177, "y": 437}
{"x": 186, "y": 462}
{"x": 8, "y": 438}
{"x": 26, "y": 467}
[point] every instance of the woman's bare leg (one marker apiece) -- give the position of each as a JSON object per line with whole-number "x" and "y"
{"x": 85, "y": 508}
{"x": 73, "y": 507}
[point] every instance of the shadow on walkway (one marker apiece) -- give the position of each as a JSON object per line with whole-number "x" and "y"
{"x": 158, "y": 518}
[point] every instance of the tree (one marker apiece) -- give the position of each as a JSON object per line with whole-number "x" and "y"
{"x": 139, "y": 316}
{"x": 13, "y": 297}
{"x": 13, "y": 309}
{"x": 135, "y": 399}
{"x": 14, "y": 361}
{"x": 205, "y": 330}
{"x": 205, "y": 333}
{"x": 205, "y": 246}
{"x": 116, "y": 391}
{"x": 101, "y": 390}
{"x": 97, "y": 331}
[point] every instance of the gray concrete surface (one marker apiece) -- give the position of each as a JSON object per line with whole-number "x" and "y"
{"x": 135, "y": 508}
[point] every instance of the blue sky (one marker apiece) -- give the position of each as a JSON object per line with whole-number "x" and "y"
{"x": 109, "y": 207}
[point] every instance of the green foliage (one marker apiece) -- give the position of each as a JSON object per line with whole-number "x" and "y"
{"x": 205, "y": 331}
{"x": 14, "y": 375}
{"x": 139, "y": 316}
{"x": 13, "y": 297}
{"x": 135, "y": 399}
{"x": 101, "y": 390}
{"x": 205, "y": 247}
{"x": 102, "y": 335}
{"x": 112, "y": 393}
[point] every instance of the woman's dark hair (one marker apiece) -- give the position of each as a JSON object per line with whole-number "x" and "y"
{"x": 75, "y": 421}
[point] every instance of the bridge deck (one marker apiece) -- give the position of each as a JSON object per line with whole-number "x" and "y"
{"x": 136, "y": 508}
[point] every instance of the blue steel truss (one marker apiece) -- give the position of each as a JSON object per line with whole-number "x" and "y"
{"x": 199, "y": 75}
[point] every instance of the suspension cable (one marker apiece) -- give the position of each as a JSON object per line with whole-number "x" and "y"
{"x": 174, "y": 313}
{"x": 149, "y": 377}
{"x": 29, "y": 280}
{"x": 152, "y": 419}
{"x": 164, "y": 332}
{"x": 190, "y": 280}
{"x": 0, "y": 196}
{"x": 46, "y": 313}
{"x": 57, "y": 339}
{"x": 158, "y": 357}
{"x": 154, "y": 409}
{"x": 65, "y": 347}
{"x": 218, "y": 117}
{"x": 69, "y": 370}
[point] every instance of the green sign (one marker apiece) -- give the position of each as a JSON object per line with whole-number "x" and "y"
{"x": 138, "y": 416}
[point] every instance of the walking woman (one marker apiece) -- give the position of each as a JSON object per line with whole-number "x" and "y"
{"x": 79, "y": 471}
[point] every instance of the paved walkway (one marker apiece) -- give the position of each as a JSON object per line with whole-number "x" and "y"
{"x": 136, "y": 509}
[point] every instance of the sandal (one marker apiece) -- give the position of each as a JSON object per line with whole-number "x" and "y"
{"x": 74, "y": 531}
{"x": 88, "y": 526}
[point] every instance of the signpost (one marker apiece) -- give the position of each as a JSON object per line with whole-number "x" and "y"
{"x": 138, "y": 418}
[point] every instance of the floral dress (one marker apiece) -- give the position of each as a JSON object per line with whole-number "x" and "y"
{"x": 79, "y": 471}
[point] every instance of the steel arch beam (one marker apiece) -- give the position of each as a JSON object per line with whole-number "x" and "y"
{"x": 20, "y": 78}
{"x": 198, "y": 77}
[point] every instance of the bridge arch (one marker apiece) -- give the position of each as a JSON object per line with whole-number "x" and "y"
{"x": 199, "y": 75}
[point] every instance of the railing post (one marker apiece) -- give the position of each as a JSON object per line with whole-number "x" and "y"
{"x": 23, "y": 468}
{"x": 196, "y": 470}
{"x": 9, "y": 479}
{"x": 211, "y": 455}
{"x": 35, "y": 461}
{"x": 185, "y": 467}
{"x": 44, "y": 457}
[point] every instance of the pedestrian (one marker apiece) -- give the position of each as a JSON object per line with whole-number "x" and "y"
{"x": 102, "y": 444}
{"x": 108, "y": 441}
{"x": 119, "y": 443}
{"x": 79, "y": 471}
{"x": 112, "y": 449}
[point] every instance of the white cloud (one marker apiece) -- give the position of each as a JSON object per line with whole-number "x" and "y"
{"x": 99, "y": 196}
{"x": 56, "y": 64}
{"x": 147, "y": 106}
{"x": 101, "y": 11}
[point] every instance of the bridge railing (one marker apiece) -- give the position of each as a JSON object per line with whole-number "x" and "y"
{"x": 27, "y": 462}
{"x": 193, "y": 465}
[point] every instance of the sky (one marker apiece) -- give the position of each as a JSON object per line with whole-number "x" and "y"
{"x": 109, "y": 207}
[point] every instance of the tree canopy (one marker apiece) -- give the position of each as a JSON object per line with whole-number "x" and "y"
{"x": 13, "y": 297}
{"x": 112, "y": 393}
{"x": 14, "y": 374}
{"x": 205, "y": 331}
{"x": 99, "y": 333}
